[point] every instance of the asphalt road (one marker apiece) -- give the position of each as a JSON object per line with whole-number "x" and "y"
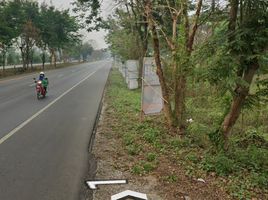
{"x": 44, "y": 143}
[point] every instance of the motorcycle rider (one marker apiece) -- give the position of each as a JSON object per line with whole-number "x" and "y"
{"x": 44, "y": 80}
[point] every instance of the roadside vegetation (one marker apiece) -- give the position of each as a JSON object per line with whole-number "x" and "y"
{"x": 178, "y": 160}
{"x": 211, "y": 58}
{"x": 38, "y": 33}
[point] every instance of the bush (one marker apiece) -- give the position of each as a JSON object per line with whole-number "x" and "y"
{"x": 220, "y": 164}
{"x": 133, "y": 149}
{"x": 136, "y": 169}
{"x": 199, "y": 135}
{"x": 128, "y": 138}
{"x": 178, "y": 143}
{"x": 148, "y": 167}
{"x": 151, "y": 157}
{"x": 260, "y": 180}
{"x": 150, "y": 135}
{"x": 251, "y": 158}
{"x": 192, "y": 157}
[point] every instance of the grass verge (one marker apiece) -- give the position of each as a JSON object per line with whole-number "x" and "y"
{"x": 241, "y": 173}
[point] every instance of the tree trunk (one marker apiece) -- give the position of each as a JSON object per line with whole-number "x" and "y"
{"x": 232, "y": 19}
{"x": 165, "y": 94}
{"x": 23, "y": 59}
{"x": 4, "y": 63}
{"x": 144, "y": 46}
{"x": 180, "y": 104}
{"x": 27, "y": 56}
{"x": 53, "y": 57}
{"x": 181, "y": 68}
{"x": 238, "y": 101}
{"x": 31, "y": 59}
{"x": 43, "y": 60}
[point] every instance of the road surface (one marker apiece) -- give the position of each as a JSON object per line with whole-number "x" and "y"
{"x": 44, "y": 143}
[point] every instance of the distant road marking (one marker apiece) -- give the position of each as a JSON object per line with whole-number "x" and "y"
{"x": 7, "y": 136}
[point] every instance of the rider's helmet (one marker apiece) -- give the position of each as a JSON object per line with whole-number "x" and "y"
{"x": 41, "y": 76}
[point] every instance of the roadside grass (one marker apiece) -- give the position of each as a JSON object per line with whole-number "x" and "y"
{"x": 242, "y": 171}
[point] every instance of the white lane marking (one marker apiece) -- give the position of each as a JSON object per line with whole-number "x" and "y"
{"x": 3, "y": 139}
{"x": 93, "y": 184}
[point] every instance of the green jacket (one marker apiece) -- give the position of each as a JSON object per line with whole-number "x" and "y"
{"x": 45, "y": 82}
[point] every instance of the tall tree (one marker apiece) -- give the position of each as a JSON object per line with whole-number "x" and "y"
{"x": 58, "y": 29}
{"x": 234, "y": 55}
{"x": 174, "y": 16}
{"x": 248, "y": 41}
{"x": 9, "y": 26}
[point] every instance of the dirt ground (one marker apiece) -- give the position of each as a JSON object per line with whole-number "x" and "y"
{"x": 113, "y": 163}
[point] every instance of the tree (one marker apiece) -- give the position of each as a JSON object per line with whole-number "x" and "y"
{"x": 247, "y": 41}
{"x": 28, "y": 39}
{"x": 58, "y": 29}
{"x": 174, "y": 16}
{"x": 9, "y": 26}
{"x": 89, "y": 13}
{"x": 118, "y": 32}
{"x": 235, "y": 54}
{"x": 86, "y": 51}
{"x": 29, "y": 33}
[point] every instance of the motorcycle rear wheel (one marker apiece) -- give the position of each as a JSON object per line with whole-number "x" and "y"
{"x": 38, "y": 96}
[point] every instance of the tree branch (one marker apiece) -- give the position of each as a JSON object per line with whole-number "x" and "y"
{"x": 195, "y": 26}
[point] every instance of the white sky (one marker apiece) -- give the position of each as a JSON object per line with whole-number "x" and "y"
{"x": 97, "y": 36}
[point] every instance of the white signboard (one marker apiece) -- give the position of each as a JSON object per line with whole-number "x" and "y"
{"x": 152, "y": 100}
{"x": 124, "y": 70}
{"x": 132, "y": 74}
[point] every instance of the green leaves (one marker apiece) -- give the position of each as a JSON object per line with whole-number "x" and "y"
{"x": 92, "y": 17}
{"x": 58, "y": 28}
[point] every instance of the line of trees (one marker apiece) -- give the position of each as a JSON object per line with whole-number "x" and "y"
{"x": 31, "y": 29}
{"x": 222, "y": 42}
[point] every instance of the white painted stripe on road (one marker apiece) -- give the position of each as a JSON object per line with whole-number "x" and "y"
{"x": 93, "y": 184}
{"x": 7, "y": 136}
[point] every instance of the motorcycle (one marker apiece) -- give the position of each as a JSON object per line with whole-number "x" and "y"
{"x": 40, "y": 90}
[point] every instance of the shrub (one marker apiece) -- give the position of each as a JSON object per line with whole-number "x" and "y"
{"x": 128, "y": 138}
{"x": 220, "y": 164}
{"x": 148, "y": 167}
{"x": 150, "y": 135}
{"x": 178, "y": 143}
{"x": 136, "y": 169}
{"x": 192, "y": 157}
{"x": 151, "y": 157}
{"x": 133, "y": 149}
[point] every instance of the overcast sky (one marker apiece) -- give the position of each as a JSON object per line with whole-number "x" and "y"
{"x": 97, "y": 36}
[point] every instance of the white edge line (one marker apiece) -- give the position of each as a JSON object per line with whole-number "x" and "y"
{"x": 7, "y": 136}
